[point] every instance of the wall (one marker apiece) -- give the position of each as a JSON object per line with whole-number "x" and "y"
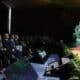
{"x": 46, "y": 20}
{"x": 56, "y": 21}
{"x": 3, "y": 18}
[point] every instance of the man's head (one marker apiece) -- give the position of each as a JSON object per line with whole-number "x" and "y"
{"x": 16, "y": 37}
{"x": 12, "y": 36}
{"x": 6, "y": 36}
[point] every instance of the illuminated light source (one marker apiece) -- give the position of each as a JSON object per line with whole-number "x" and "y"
{"x": 76, "y": 34}
{"x": 9, "y": 15}
{"x": 75, "y": 51}
{"x": 9, "y": 20}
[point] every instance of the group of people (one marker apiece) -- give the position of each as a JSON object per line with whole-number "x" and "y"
{"x": 11, "y": 49}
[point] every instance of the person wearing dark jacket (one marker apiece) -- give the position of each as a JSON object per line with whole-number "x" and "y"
{"x": 6, "y": 41}
{"x": 7, "y": 54}
{"x": 25, "y": 49}
{"x": 16, "y": 39}
{"x": 12, "y": 42}
{"x": 18, "y": 47}
{"x": 12, "y": 48}
{"x": 1, "y": 51}
{"x": 1, "y": 44}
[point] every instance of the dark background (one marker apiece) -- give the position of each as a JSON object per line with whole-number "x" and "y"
{"x": 3, "y": 18}
{"x": 56, "y": 21}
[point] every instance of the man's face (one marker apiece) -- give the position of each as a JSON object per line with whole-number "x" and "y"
{"x": 6, "y": 36}
{"x": 12, "y": 36}
{"x": 16, "y": 37}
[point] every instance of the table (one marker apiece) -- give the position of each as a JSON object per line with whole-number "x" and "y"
{"x": 40, "y": 68}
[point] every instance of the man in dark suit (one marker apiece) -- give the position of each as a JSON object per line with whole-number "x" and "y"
{"x": 6, "y": 41}
{"x": 12, "y": 42}
{"x": 18, "y": 47}
{"x": 16, "y": 38}
{"x": 1, "y": 50}
{"x": 1, "y": 44}
{"x": 12, "y": 48}
{"x": 6, "y": 45}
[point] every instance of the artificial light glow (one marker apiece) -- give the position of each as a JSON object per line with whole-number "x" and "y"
{"x": 9, "y": 24}
{"x": 75, "y": 51}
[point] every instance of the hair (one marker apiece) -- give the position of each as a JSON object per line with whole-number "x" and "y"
{"x": 5, "y": 35}
{"x": 11, "y": 35}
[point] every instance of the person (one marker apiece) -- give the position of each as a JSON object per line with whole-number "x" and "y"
{"x": 22, "y": 42}
{"x": 26, "y": 48}
{"x": 12, "y": 48}
{"x": 18, "y": 46}
{"x": 12, "y": 42}
{"x": 1, "y": 44}
{"x": 7, "y": 54}
{"x": 6, "y": 41}
{"x": 16, "y": 39}
{"x": 1, "y": 53}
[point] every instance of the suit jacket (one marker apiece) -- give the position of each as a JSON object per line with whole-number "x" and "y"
{"x": 16, "y": 42}
{"x": 6, "y": 44}
{"x": 12, "y": 44}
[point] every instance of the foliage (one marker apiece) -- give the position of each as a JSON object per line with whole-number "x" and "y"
{"x": 75, "y": 73}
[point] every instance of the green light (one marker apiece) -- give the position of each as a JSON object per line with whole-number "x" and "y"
{"x": 76, "y": 34}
